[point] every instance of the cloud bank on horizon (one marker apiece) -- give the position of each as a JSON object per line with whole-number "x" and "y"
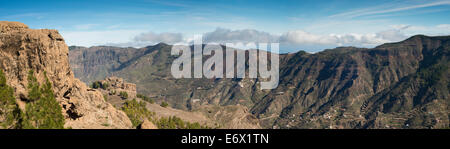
{"x": 296, "y": 25}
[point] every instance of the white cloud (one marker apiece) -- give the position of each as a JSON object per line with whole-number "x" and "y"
{"x": 300, "y": 38}
{"x": 392, "y": 35}
{"x": 221, "y": 35}
{"x": 290, "y": 40}
{"x": 437, "y": 30}
{"x": 445, "y": 27}
{"x": 151, "y": 37}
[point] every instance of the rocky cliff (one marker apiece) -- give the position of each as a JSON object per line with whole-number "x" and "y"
{"x": 45, "y": 52}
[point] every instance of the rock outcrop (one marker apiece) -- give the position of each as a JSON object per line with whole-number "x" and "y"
{"x": 119, "y": 85}
{"x": 45, "y": 52}
{"x": 147, "y": 125}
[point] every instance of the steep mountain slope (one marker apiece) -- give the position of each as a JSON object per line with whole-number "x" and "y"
{"x": 149, "y": 68}
{"x": 43, "y": 51}
{"x": 345, "y": 87}
{"x": 419, "y": 100}
{"x": 350, "y": 87}
{"x": 100, "y": 61}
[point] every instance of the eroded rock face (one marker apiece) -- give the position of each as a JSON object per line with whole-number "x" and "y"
{"x": 23, "y": 49}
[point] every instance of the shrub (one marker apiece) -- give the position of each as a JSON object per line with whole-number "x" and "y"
{"x": 112, "y": 92}
{"x": 174, "y": 122}
{"x": 105, "y": 97}
{"x": 140, "y": 96}
{"x": 98, "y": 84}
{"x": 164, "y": 104}
{"x": 151, "y": 101}
{"x": 95, "y": 85}
{"x": 105, "y": 86}
{"x": 136, "y": 111}
{"x": 123, "y": 95}
{"x": 42, "y": 111}
{"x": 145, "y": 98}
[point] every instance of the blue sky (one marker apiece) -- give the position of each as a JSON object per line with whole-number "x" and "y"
{"x": 310, "y": 25}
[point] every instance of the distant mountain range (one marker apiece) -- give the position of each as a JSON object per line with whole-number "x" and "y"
{"x": 394, "y": 85}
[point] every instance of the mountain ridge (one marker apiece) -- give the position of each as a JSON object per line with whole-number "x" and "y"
{"x": 327, "y": 89}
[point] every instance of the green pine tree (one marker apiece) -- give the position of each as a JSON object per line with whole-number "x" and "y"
{"x": 33, "y": 87}
{"x": 137, "y": 111}
{"x": 43, "y": 111}
{"x": 9, "y": 111}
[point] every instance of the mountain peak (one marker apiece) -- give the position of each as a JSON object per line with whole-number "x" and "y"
{"x": 416, "y": 40}
{"x": 161, "y": 44}
{"x": 417, "y": 37}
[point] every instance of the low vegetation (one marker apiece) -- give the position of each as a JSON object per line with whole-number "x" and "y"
{"x": 105, "y": 97}
{"x": 137, "y": 112}
{"x": 164, "y": 104}
{"x": 146, "y": 98}
{"x": 123, "y": 95}
{"x": 112, "y": 92}
{"x": 174, "y": 122}
{"x": 98, "y": 84}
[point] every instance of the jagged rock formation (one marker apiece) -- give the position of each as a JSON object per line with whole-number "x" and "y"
{"x": 23, "y": 49}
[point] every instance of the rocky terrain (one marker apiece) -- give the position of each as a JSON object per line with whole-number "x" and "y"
{"x": 43, "y": 51}
{"x": 223, "y": 117}
{"x": 394, "y": 85}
